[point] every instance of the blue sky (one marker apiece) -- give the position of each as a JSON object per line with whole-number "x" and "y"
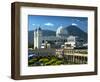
{"x": 53, "y": 22}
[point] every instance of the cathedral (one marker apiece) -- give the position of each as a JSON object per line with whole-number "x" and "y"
{"x": 61, "y": 40}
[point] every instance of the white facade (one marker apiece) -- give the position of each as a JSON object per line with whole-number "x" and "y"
{"x": 71, "y": 42}
{"x": 37, "y": 38}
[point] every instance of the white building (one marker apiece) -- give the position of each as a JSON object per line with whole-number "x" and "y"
{"x": 61, "y": 40}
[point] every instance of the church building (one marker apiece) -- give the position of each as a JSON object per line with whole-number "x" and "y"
{"x": 61, "y": 40}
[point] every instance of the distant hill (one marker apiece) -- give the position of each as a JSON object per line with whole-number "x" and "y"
{"x": 30, "y": 37}
{"x": 76, "y": 31}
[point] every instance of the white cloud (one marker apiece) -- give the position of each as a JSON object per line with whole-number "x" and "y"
{"x": 33, "y": 24}
{"x": 49, "y": 24}
{"x": 74, "y": 24}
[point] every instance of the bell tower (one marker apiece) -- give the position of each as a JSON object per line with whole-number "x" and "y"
{"x": 37, "y": 38}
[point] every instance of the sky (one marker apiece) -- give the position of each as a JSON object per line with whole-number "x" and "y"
{"x": 53, "y": 22}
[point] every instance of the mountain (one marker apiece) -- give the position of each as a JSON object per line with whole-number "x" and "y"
{"x": 76, "y": 31}
{"x": 72, "y": 30}
{"x": 30, "y": 37}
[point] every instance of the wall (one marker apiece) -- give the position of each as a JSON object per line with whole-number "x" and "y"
{"x": 5, "y": 40}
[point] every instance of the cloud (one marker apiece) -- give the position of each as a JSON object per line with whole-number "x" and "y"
{"x": 33, "y": 24}
{"x": 49, "y": 24}
{"x": 74, "y": 24}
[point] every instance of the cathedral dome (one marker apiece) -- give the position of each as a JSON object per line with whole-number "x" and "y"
{"x": 61, "y": 32}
